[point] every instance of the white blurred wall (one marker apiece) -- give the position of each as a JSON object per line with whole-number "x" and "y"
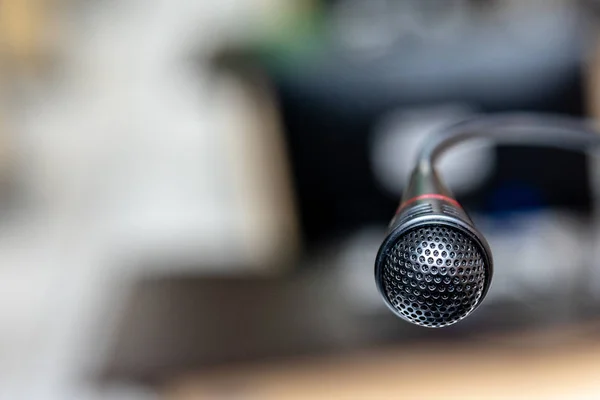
{"x": 128, "y": 151}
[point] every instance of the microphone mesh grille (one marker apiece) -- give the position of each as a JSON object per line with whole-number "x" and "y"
{"x": 434, "y": 275}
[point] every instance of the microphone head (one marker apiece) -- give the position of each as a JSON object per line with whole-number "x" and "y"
{"x": 433, "y": 271}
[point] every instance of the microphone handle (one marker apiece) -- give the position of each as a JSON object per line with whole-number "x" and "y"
{"x": 426, "y": 194}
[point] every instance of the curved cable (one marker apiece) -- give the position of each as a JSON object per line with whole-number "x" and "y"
{"x": 546, "y": 130}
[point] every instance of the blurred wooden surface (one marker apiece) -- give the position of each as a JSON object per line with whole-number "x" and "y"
{"x": 555, "y": 366}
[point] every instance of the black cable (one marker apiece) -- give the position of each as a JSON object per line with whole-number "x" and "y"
{"x": 539, "y": 129}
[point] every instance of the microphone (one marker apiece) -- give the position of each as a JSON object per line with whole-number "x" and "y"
{"x": 434, "y": 268}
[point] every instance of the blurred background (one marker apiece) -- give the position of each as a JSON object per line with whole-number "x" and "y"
{"x": 192, "y": 194}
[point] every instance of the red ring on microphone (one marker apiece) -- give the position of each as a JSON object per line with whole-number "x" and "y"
{"x": 430, "y": 196}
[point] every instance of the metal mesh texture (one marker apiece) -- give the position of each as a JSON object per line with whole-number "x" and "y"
{"x": 434, "y": 275}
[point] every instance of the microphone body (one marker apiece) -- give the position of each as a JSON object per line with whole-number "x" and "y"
{"x": 434, "y": 267}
